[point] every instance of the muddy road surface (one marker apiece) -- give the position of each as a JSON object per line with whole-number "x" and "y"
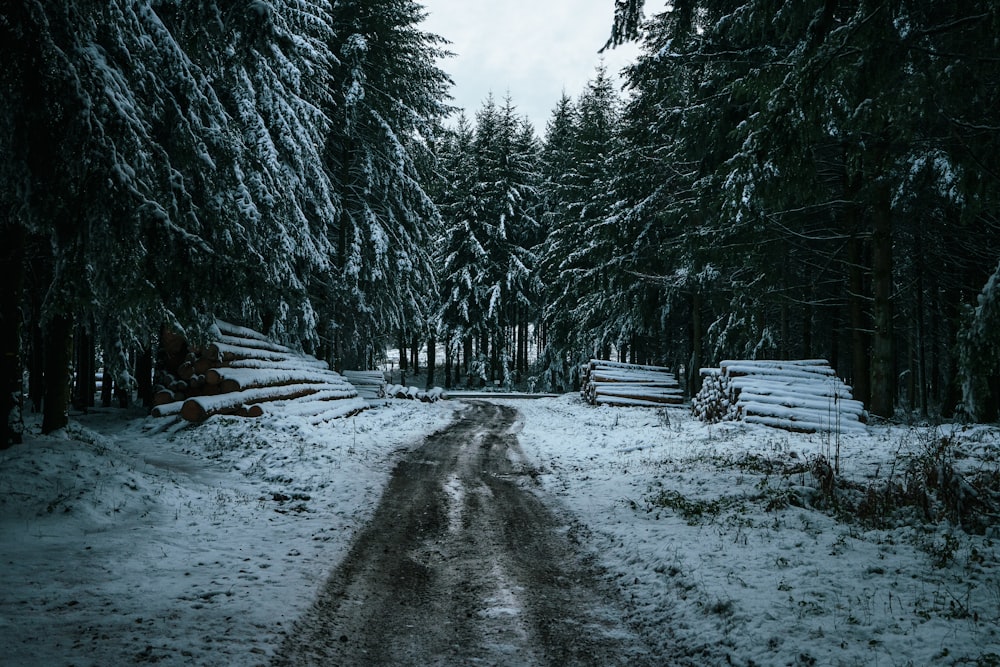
{"x": 463, "y": 564}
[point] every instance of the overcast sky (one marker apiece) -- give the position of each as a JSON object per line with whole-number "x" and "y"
{"x": 533, "y": 49}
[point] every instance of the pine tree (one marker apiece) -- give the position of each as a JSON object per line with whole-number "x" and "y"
{"x": 578, "y": 158}
{"x": 388, "y": 98}
{"x": 802, "y": 176}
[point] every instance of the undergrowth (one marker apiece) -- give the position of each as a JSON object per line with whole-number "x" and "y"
{"x": 922, "y": 486}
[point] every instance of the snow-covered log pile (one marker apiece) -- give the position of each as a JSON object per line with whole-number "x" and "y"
{"x": 617, "y": 383}
{"x": 244, "y": 373}
{"x": 370, "y": 384}
{"x": 799, "y": 395}
{"x": 414, "y": 394}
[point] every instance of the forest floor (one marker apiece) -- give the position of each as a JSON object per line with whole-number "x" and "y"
{"x": 681, "y": 543}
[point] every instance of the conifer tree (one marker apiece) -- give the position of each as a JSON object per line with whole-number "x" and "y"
{"x": 389, "y": 97}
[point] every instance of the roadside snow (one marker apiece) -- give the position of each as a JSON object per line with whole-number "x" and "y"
{"x": 694, "y": 524}
{"x": 118, "y": 546}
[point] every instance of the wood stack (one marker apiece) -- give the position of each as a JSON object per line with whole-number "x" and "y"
{"x": 370, "y": 384}
{"x": 802, "y": 395}
{"x": 414, "y": 394}
{"x": 621, "y": 384}
{"x": 240, "y": 372}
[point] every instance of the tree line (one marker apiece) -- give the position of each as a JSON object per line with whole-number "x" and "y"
{"x": 778, "y": 180}
{"x": 799, "y": 180}
{"x": 167, "y": 162}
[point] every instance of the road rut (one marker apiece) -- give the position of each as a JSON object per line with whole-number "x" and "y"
{"x": 463, "y": 564}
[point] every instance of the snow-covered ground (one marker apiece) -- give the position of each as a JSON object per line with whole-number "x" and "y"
{"x": 123, "y": 545}
{"x": 725, "y": 561}
{"x": 119, "y": 546}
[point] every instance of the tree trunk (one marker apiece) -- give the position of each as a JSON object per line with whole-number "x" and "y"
{"x": 83, "y": 386}
{"x": 403, "y": 359}
{"x": 694, "y": 370}
{"x": 466, "y": 358}
{"x": 107, "y": 387}
{"x": 144, "y": 376}
{"x": 58, "y": 354}
{"x": 431, "y": 359}
{"x": 36, "y": 360}
{"x": 448, "y": 352}
{"x": 415, "y": 355}
{"x": 883, "y": 386}
{"x": 859, "y": 324}
{"x": 921, "y": 344}
{"x": 11, "y": 288}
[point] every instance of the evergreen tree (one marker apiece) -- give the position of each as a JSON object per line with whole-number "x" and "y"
{"x": 802, "y": 175}
{"x": 579, "y": 158}
{"x": 389, "y": 96}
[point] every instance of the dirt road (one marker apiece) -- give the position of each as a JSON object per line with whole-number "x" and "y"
{"x": 463, "y": 564}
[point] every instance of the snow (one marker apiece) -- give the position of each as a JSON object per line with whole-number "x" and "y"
{"x": 123, "y": 541}
{"x": 692, "y": 523}
{"x": 122, "y": 546}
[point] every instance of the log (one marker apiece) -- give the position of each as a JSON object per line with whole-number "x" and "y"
{"x": 202, "y": 365}
{"x": 237, "y": 379}
{"x": 200, "y": 408}
{"x": 163, "y": 397}
{"x": 186, "y": 370}
{"x": 254, "y": 343}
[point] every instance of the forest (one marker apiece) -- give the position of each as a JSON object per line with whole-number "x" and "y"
{"x": 776, "y": 180}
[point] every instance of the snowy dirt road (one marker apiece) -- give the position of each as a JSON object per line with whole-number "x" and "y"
{"x": 463, "y": 563}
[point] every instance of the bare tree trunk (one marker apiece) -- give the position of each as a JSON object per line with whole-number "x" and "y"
{"x": 144, "y": 376}
{"x": 466, "y": 358}
{"x": 921, "y": 362}
{"x": 883, "y": 384}
{"x": 403, "y": 359}
{"x": 694, "y": 374}
{"x": 58, "y": 354}
{"x": 107, "y": 387}
{"x": 859, "y": 323}
{"x": 11, "y": 288}
{"x": 415, "y": 354}
{"x": 83, "y": 386}
{"x": 448, "y": 352}
{"x": 431, "y": 359}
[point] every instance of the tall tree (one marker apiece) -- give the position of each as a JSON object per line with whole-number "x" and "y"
{"x": 389, "y": 97}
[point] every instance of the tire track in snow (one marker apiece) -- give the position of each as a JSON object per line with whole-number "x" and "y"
{"x": 464, "y": 564}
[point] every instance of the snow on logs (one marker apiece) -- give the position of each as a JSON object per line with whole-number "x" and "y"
{"x": 621, "y": 384}
{"x": 240, "y": 371}
{"x": 802, "y": 395}
{"x": 372, "y": 385}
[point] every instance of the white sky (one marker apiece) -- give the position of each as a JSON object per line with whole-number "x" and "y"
{"x": 533, "y": 49}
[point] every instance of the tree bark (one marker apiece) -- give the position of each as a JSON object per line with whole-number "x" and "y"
{"x": 144, "y": 376}
{"x": 883, "y": 386}
{"x": 83, "y": 387}
{"x": 431, "y": 359}
{"x": 859, "y": 324}
{"x": 694, "y": 370}
{"x": 58, "y": 354}
{"x": 11, "y": 288}
{"x": 448, "y": 352}
{"x": 404, "y": 360}
{"x": 466, "y": 358}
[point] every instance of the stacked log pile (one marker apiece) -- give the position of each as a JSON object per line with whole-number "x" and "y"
{"x": 799, "y": 395}
{"x": 370, "y": 384}
{"x": 244, "y": 373}
{"x": 621, "y": 384}
{"x": 414, "y": 394}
